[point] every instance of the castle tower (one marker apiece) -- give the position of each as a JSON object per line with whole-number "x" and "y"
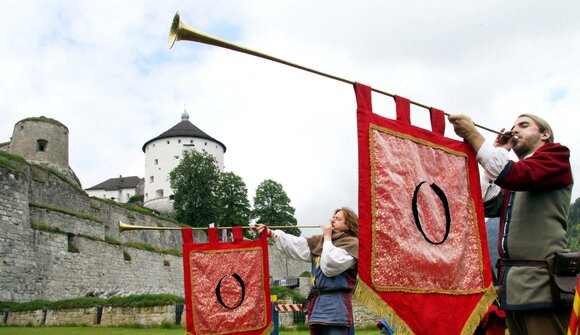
{"x": 42, "y": 140}
{"x": 163, "y": 153}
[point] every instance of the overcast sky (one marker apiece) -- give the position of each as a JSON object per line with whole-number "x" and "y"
{"x": 104, "y": 69}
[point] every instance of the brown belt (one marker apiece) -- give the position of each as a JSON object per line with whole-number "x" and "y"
{"x": 521, "y": 262}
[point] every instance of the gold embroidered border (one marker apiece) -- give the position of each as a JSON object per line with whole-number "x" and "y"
{"x": 263, "y": 297}
{"x": 373, "y": 127}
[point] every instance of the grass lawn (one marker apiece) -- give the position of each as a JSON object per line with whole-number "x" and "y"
{"x": 124, "y": 331}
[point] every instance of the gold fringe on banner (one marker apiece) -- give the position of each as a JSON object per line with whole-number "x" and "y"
{"x": 479, "y": 311}
{"x": 370, "y": 299}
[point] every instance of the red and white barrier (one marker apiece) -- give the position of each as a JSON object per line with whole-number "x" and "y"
{"x": 289, "y": 307}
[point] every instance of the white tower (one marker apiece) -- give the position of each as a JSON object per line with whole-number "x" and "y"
{"x": 164, "y": 152}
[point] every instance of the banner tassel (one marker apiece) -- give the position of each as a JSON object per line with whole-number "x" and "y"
{"x": 369, "y": 298}
{"x": 489, "y": 296}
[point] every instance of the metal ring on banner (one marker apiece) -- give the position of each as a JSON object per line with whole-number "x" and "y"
{"x": 445, "y": 203}
{"x": 219, "y": 295}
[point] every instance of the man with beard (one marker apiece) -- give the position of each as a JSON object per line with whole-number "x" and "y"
{"x": 532, "y": 198}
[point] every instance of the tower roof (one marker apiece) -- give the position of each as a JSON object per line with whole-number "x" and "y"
{"x": 184, "y": 129}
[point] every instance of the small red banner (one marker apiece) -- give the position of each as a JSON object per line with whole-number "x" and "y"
{"x": 226, "y": 285}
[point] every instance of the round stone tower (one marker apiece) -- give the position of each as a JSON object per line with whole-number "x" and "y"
{"x": 163, "y": 153}
{"x": 42, "y": 140}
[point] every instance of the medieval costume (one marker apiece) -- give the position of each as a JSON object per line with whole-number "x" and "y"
{"x": 532, "y": 199}
{"x": 334, "y": 271}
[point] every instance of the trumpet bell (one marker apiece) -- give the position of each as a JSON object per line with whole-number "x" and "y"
{"x": 181, "y": 31}
{"x": 173, "y": 30}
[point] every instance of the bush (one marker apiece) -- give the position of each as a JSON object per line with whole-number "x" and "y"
{"x": 286, "y": 292}
{"x": 137, "y": 198}
{"x": 145, "y": 300}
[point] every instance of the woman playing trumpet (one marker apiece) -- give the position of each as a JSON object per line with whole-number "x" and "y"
{"x": 334, "y": 257}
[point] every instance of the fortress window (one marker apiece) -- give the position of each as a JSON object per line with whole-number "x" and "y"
{"x": 151, "y": 179}
{"x": 159, "y": 193}
{"x": 167, "y": 142}
{"x": 178, "y": 141}
{"x": 156, "y": 161}
{"x": 41, "y": 145}
{"x": 71, "y": 241}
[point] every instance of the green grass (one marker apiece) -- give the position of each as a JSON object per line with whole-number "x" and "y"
{"x": 125, "y": 331}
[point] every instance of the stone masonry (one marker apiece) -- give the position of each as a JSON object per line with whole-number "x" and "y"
{"x": 79, "y": 256}
{"x": 57, "y": 243}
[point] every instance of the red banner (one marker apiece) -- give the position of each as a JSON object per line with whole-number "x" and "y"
{"x": 226, "y": 285}
{"x": 423, "y": 257}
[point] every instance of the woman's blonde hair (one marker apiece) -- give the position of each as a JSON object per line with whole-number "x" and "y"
{"x": 350, "y": 217}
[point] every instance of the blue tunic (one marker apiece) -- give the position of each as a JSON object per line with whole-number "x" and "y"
{"x": 331, "y": 298}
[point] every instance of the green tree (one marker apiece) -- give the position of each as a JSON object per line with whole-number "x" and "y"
{"x": 574, "y": 226}
{"x": 194, "y": 182}
{"x": 233, "y": 203}
{"x": 272, "y": 207}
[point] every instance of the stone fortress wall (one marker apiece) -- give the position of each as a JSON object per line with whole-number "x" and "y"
{"x": 57, "y": 243}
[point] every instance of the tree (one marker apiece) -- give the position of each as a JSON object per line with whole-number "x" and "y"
{"x": 233, "y": 203}
{"x": 272, "y": 207}
{"x": 194, "y": 182}
{"x": 574, "y": 226}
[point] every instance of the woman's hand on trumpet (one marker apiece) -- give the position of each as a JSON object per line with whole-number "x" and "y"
{"x": 327, "y": 230}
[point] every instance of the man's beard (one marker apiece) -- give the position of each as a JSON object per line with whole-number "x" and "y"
{"x": 527, "y": 146}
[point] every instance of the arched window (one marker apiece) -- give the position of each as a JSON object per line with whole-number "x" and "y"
{"x": 41, "y": 145}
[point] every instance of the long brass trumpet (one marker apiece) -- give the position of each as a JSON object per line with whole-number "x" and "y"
{"x": 124, "y": 227}
{"x": 180, "y": 31}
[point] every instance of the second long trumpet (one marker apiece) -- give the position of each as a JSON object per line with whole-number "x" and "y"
{"x": 124, "y": 227}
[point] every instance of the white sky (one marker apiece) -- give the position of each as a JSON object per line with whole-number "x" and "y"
{"x": 104, "y": 69}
